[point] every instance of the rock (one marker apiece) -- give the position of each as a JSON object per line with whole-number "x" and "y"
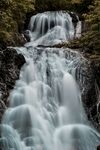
{"x": 10, "y": 65}
{"x": 88, "y": 77}
{"x": 74, "y": 17}
{"x": 19, "y": 40}
{"x": 19, "y": 60}
{"x": 27, "y": 35}
{"x": 28, "y": 16}
{"x": 2, "y": 46}
{"x": 98, "y": 147}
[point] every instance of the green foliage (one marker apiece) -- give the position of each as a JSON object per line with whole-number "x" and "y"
{"x": 12, "y": 17}
{"x": 90, "y": 40}
{"x": 92, "y": 37}
{"x": 93, "y": 16}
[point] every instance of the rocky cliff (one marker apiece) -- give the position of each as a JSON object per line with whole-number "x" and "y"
{"x": 10, "y": 65}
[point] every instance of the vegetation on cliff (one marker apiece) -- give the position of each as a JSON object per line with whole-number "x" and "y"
{"x": 12, "y": 17}
{"x": 90, "y": 39}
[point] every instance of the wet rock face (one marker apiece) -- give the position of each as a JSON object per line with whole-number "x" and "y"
{"x": 93, "y": 93}
{"x": 88, "y": 77}
{"x": 98, "y": 148}
{"x": 96, "y": 66}
{"x": 10, "y": 65}
{"x": 27, "y": 35}
{"x": 74, "y": 17}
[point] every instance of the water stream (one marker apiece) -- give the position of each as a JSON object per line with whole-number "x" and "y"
{"x": 45, "y": 110}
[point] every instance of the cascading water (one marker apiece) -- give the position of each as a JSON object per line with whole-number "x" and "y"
{"x": 51, "y": 28}
{"x": 45, "y": 110}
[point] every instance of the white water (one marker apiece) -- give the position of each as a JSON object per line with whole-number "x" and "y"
{"x": 52, "y": 28}
{"x": 45, "y": 110}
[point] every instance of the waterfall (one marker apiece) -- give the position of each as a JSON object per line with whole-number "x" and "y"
{"x": 45, "y": 109}
{"x": 51, "y": 28}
